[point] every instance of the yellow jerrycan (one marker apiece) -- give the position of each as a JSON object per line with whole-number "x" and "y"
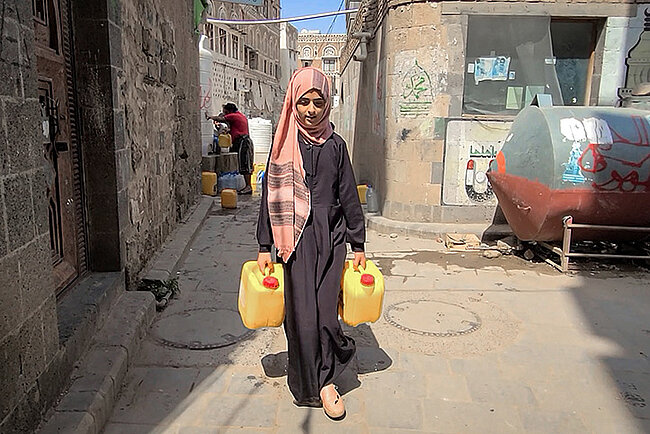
{"x": 261, "y": 296}
{"x": 362, "y": 189}
{"x": 225, "y": 141}
{"x": 229, "y": 198}
{"x": 209, "y": 183}
{"x": 362, "y": 294}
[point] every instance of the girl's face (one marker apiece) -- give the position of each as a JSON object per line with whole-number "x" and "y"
{"x": 311, "y": 108}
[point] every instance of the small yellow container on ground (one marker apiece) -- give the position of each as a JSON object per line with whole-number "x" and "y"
{"x": 362, "y": 294}
{"x": 228, "y": 198}
{"x": 362, "y": 189}
{"x": 225, "y": 141}
{"x": 257, "y": 168}
{"x": 209, "y": 183}
{"x": 261, "y": 298}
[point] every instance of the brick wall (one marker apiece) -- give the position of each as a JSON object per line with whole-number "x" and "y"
{"x": 28, "y": 325}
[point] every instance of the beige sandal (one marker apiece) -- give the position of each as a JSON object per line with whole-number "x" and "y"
{"x": 332, "y": 402}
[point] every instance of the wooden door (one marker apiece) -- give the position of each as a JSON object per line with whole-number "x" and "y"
{"x": 56, "y": 96}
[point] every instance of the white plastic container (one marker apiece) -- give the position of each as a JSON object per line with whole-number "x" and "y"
{"x": 240, "y": 181}
{"x": 206, "y": 99}
{"x": 261, "y": 133}
{"x": 372, "y": 200}
{"x": 226, "y": 180}
{"x": 232, "y": 180}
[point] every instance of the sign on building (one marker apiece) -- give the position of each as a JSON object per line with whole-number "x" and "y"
{"x": 469, "y": 149}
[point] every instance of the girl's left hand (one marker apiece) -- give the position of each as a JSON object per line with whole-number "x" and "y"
{"x": 359, "y": 259}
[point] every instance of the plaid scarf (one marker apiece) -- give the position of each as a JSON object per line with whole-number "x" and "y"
{"x": 288, "y": 196}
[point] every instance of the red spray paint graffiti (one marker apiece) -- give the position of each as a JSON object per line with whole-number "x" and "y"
{"x": 593, "y": 160}
{"x": 205, "y": 98}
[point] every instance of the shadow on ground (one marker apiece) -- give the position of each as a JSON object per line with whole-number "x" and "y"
{"x": 620, "y": 314}
{"x": 179, "y": 384}
{"x": 369, "y": 358}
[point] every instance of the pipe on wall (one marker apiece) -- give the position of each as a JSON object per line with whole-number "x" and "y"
{"x": 363, "y": 41}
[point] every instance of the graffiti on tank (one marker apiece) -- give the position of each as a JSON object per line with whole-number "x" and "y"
{"x": 575, "y": 131}
{"x": 572, "y": 168}
{"x": 595, "y": 158}
{"x": 642, "y": 138}
{"x": 592, "y": 152}
{"x": 417, "y": 93}
{"x": 626, "y": 184}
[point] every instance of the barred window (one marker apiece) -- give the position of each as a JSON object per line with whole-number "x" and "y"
{"x": 235, "y": 47}
{"x": 223, "y": 42}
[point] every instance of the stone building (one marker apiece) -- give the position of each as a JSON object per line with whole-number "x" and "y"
{"x": 433, "y": 91}
{"x": 288, "y": 53}
{"x": 246, "y": 58}
{"x": 322, "y": 51}
{"x": 99, "y": 160}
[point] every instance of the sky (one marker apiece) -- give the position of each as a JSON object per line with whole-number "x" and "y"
{"x": 294, "y": 8}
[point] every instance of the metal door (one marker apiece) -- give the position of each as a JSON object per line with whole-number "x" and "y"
{"x": 58, "y": 112}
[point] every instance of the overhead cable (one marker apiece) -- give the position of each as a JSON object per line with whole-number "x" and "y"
{"x": 280, "y": 20}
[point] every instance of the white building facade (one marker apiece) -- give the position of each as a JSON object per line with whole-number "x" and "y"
{"x": 322, "y": 50}
{"x": 246, "y": 59}
{"x": 288, "y": 53}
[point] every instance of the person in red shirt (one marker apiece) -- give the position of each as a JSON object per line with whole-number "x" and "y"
{"x": 241, "y": 141}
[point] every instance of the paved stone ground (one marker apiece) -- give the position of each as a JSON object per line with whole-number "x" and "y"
{"x": 551, "y": 353}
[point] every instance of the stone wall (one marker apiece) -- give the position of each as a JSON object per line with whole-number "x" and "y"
{"x": 403, "y": 146}
{"x": 360, "y": 117}
{"x": 136, "y": 75}
{"x": 28, "y": 324}
{"x": 158, "y": 93}
{"x": 417, "y": 43}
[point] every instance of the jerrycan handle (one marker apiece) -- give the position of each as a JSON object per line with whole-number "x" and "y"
{"x": 269, "y": 281}
{"x": 367, "y": 280}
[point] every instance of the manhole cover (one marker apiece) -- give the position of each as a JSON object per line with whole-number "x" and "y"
{"x": 432, "y": 318}
{"x": 200, "y": 329}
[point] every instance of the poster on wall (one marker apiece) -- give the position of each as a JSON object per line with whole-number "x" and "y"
{"x": 470, "y": 146}
{"x": 491, "y": 68}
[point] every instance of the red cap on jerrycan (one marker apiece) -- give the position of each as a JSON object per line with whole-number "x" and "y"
{"x": 271, "y": 282}
{"x": 367, "y": 279}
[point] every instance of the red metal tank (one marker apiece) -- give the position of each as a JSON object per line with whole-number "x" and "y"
{"x": 588, "y": 162}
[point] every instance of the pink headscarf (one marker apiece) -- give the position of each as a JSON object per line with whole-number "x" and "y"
{"x": 288, "y": 196}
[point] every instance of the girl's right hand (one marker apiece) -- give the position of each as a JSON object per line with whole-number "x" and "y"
{"x": 263, "y": 261}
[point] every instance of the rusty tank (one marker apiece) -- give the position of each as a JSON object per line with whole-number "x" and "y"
{"x": 592, "y": 163}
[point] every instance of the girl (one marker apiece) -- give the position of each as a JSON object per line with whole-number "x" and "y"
{"x": 310, "y": 208}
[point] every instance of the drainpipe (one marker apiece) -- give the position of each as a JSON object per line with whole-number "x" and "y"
{"x": 363, "y": 40}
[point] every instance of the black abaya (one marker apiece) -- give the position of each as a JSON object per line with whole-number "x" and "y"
{"x": 318, "y": 349}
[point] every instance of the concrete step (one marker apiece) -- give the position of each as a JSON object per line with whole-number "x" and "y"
{"x": 485, "y": 231}
{"x": 97, "y": 378}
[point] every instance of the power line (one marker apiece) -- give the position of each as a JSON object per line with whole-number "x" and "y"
{"x": 281, "y": 20}
{"x": 335, "y": 17}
